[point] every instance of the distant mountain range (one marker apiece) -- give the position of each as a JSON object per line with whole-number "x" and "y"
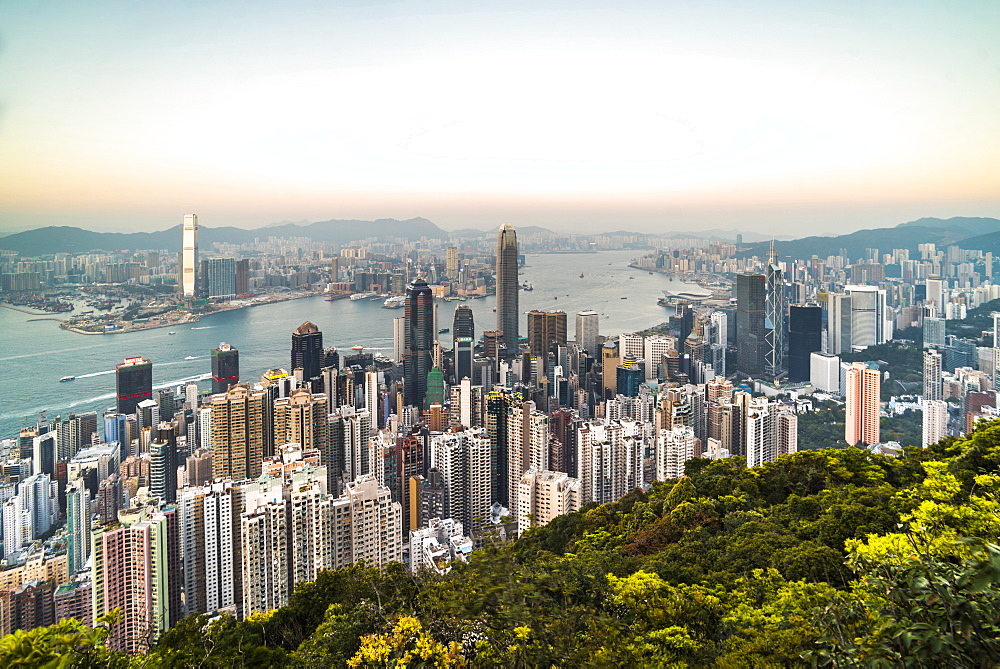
{"x": 966, "y": 232}
{"x": 76, "y": 240}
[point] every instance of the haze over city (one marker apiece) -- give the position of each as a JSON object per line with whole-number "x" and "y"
{"x": 780, "y": 118}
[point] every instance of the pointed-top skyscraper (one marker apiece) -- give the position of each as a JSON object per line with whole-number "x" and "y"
{"x": 774, "y": 317}
{"x": 419, "y": 341}
{"x": 506, "y": 278}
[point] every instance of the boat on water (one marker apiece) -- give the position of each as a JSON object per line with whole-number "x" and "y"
{"x": 171, "y": 332}
{"x": 360, "y": 296}
{"x": 190, "y": 357}
{"x": 581, "y": 275}
{"x": 394, "y": 302}
{"x": 624, "y": 298}
{"x": 66, "y": 378}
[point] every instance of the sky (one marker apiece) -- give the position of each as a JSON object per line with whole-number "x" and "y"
{"x": 785, "y": 118}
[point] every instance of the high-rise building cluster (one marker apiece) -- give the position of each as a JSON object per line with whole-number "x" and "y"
{"x": 222, "y": 498}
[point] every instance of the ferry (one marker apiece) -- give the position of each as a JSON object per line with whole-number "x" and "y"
{"x": 66, "y": 378}
{"x": 361, "y": 296}
{"x": 394, "y": 302}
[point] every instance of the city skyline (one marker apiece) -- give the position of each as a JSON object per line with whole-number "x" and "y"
{"x": 644, "y": 116}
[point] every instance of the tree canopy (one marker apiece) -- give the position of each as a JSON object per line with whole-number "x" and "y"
{"x": 835, "y": 557}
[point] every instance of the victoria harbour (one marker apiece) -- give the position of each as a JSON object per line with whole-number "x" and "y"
{"x": 38, "y": 350}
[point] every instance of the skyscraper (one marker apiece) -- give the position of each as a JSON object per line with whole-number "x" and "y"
{"x": 419, "y": 341}
{"x": 751, "y": 296}
{"x": 868, "y": 323}
{"x": 220, "y": 278}
{"x": 543, "y": 495}
{"x": 545, "y": 329}
{"x": 451, "y": 256}
{"x": 805, "y": 326}
{"x": 189, "y": 255}
{"x": 861, "y": 411}
{"x": 503, "y": 427}
{"x": 587, "y": 326}
{"x": 136, "y": 568}
{"x": 935, "y": 421}
{"x": 506, "y": 279}
{"x": 237, "y": 433}
{"x": 307, "y": 350}
{"x": 134, "y": 383}
{"x": 774, "y": 318}
{"x": 303, "y": 418}
{"x": 463, "y": 458}
{"x": 225, "y": 368}
{"x": 367, "y": 524}
{"x": 464, "y": 334}
{"x": 163, "y": 463}
{"x": 932, "y": 375}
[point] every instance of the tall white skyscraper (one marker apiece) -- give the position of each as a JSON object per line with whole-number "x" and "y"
{"x": 868, "y": 323}
{"x": 932, "y": 375}
{"x": 935, "y": 294}
{"x": 587, "y": 325}
{"x": 398, "y": 337}
{"x": 935, "y": 421}
{"x": 189, "y": 254}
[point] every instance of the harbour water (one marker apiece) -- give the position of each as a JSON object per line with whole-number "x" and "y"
{"x": 35, "y": 354}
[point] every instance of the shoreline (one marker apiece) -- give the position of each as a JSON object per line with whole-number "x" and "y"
{"x": 25, "y": 311}
{"x": 190, "y": 317}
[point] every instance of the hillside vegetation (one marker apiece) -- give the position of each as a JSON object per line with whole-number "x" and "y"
{"x": 834, "y": 557}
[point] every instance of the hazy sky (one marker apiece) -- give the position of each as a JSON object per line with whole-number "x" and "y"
{"x": 782, "y": 117}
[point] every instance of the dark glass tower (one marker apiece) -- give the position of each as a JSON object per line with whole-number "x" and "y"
{"x": 805, "y": 325}
{"x": 751, "y": 295}
{"x": 464, "y": 332}
{"x": 419, "y": 341}
{"x": 134, "y": 383}
{"x": 629, "y": 379}
{"x": 163, "y": 463}
{"x": 225, "y": 368}
{"x": 307, "y": 350}
{"x": 506, "y": 278}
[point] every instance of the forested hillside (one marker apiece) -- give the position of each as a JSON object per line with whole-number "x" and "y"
{"x": 837, "y": 557}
